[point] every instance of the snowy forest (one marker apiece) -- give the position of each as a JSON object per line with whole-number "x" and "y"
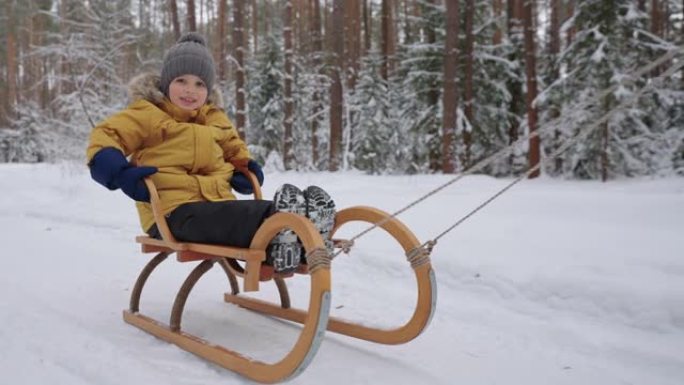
{"x": 379, "y": 86}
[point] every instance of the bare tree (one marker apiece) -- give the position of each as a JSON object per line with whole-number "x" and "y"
{"x": 336, "y": 97}
{"x": 531, "y": 74}
{"x": 450, "y": 97}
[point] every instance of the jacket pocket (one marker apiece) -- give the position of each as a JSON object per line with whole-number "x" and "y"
{"x": 223, "y": 189}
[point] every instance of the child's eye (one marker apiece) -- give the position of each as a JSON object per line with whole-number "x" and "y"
{"x": 180, "y": 80}
{"x": 200, "y": 84}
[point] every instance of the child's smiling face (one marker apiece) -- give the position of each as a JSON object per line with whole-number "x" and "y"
{"x": 188, "y": 92}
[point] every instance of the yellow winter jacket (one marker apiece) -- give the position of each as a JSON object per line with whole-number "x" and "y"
{"x": 195, "y": 151}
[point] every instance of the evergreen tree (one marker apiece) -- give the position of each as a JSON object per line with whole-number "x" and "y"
{"x": 311, "y": 89}
{"x": 266, "y": 99}
{"x": 420, "y": 72}
{"x": 611, "y": 40}
{"x": 493, "y": 73}
{"x": 380, "y": 145}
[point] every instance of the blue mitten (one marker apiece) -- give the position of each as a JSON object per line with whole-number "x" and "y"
{"x": 240, "y": 182}
{"x": 131, "y": 182}
{"x": 110, "y": 168}
{"x": 106, "y": 165}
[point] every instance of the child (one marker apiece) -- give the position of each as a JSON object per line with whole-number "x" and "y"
{"x": 176, "y": 133}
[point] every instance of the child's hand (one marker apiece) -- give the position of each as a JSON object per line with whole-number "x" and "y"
{"x": 240, "y": 182}
{"x": 131, "y": 182}
{"x": 110, "y": 168}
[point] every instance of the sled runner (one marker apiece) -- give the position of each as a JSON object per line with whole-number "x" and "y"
{"x": 247, "y": 263}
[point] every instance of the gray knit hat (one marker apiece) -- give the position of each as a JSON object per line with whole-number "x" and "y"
{"x": 188, "y": 56}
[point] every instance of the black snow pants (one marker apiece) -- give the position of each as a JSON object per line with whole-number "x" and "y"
{"x": 228, "y": 223}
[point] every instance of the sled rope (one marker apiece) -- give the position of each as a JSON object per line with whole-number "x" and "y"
{"x": 421, "y": 254}
{"x": 318, "y": 258}
{"x": 569, "y": 142}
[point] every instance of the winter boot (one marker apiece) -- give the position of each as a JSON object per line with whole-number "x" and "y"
{"x": 284, "y": 251}
{"x": 320, "y": 209}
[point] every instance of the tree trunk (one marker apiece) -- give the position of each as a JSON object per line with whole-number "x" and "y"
{"x": 239, "y": 46}
{"x": 498, "y": 34}
{"x": 11, "y": 42}
{"x": 656, "y": 16}
{"x": 408, "y": 32}
{"x": 173, "y": 8}
{"x": 336, "y": 97}
{"x": 221, "y": 38}
{"x": 514, "y": 86}
{"x": 468, "y": 84}
{"x": 301, "y": 20}
{"x": 192, "y": 23}
{"x": 255, "y": 25}
{"x": 43, "y": 65}
{"x": 531, "y": 74}
{"x": 267, "y": 18}
{"x": 450, "y": 97}
{"x": 605, "y": 135}
{"x": 667, "y": 22}
{"x": 352, "y": 33}
{"x": 327, "y": 23}
{"x": 317, "y": 41}
{"x": 367, "y": 36}
{"x": 287, "y": 97}
{"x": 435, "y": 154}
{"x": 387, "y": 36}
{"x": 554, "y": 34}
{"x": 554, "y": 51}
{"x": 642, "y": 5}
{"x": 570, "y": 12}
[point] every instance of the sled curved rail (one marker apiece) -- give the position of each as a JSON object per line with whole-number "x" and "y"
{"x": 424, "y": 275}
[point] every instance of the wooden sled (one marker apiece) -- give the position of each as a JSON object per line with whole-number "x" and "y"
{"x": 247, "y": 264}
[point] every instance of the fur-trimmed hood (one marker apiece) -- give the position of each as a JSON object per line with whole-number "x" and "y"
{"x": 146, "y": 86}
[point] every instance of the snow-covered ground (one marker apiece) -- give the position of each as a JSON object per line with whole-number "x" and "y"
{"x": 556, "y": 282}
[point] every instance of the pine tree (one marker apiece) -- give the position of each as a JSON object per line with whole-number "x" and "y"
{"x": 611, "y": 40}
{"x": 266, "y": 99}
{"x": 380, "y": 145}
{"x": 421, "y": 70}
